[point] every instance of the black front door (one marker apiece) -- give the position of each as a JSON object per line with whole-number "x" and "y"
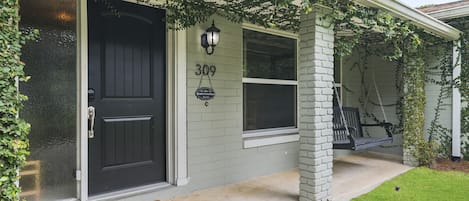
{"x": 127, "y": 85}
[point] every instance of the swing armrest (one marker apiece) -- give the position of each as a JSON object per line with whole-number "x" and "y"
{"x": 350, "y": 129}
{"x": 349, "y": 136}
{"x": 343, "y": 128}
{"x": 386, "y": 125}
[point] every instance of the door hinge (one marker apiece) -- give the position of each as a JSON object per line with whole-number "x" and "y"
{"x": 78, "y": 175}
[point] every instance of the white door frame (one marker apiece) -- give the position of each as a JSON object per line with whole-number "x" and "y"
{"x": 176, "y": 108}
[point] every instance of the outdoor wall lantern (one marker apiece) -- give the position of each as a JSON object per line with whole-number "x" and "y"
{"x": 210, "y": 39}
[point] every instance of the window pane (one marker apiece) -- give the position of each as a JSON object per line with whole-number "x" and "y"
{"x": 269, "y": 106}
{"x": 51, "y": 108}
{"x": 268, "y": 56}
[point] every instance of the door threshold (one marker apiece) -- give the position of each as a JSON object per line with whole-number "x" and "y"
{"x": 130, "y": 192}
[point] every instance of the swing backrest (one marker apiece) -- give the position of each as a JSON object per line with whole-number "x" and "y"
{"x": 352, "y": 116}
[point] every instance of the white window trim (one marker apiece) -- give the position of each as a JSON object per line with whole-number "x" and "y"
{"x": 270, "y": 132}
{"x": 271, "y": 140}
{"x": 272, "y": 136}
{"x": 269, "y": 81}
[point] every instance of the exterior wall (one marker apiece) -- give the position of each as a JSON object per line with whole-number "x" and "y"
{"x": 215, "y": 146}
{"x": 432, "y": 92}
{"x": 385, "y": 75}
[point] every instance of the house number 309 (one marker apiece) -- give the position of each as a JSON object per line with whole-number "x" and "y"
{"x": 205, "y": 70}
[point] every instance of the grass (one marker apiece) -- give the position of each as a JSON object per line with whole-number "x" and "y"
{"x": 422, "y": 184}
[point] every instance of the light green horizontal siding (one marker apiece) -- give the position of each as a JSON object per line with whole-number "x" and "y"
{"x": 215, "y": 146}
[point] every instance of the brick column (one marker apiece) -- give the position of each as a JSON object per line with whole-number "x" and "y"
{"x": 316, "y": 69}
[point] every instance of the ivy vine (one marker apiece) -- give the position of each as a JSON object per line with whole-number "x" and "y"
{"x": 447, "y": 83}
{"x": 358, "y": 21}
{"x": 405, "y": 40}
{"x": 462, "y": 82}
{"x": 443, "y": 70}
{"x": 14, "y": 131}
{"x": 439, "y": 61}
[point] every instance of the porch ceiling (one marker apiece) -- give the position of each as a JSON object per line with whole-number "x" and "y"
{"x": 422, "y": 20}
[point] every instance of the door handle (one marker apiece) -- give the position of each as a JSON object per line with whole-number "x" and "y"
{"x": 91, "y": 117}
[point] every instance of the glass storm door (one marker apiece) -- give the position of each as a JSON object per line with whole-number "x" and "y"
{"x": 127, "y": 85}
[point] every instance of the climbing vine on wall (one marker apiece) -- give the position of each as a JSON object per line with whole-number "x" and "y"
{"x": 410, "y": 95}
{"x": 413, "y": 105}
{"x": 441, "y": 75}
{"x": 14, "y": 131}
{"x": 445, "y": 69}
{"x": 346, "y": 16}
{"x": 404, "y": 38}
{"x": 463, "y": 84}
{"x": 439, "y": 67}
{"x": 369, "y": 47}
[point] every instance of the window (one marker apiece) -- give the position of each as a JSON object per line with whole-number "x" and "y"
{"x": 52, "y": 105}
{"x": 269, "y": 84}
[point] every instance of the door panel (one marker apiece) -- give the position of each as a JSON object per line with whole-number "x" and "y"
{"x": 127, "y": 140}
{"x": 127, "y": 55}
{"x": 127, "y": 69}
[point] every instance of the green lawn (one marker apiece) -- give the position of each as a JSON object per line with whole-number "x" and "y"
{"x": 422, "y": 184}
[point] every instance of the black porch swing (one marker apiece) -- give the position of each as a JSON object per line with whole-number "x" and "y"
{"x": 348, "y": 130}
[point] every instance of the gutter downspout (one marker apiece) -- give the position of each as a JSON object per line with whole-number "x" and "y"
{"x": 456, "y": 117}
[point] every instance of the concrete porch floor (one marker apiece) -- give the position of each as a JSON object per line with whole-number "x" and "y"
{"x": 353, "y": 175}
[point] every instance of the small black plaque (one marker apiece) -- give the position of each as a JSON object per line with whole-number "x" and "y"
{"x": 205, "y": 93}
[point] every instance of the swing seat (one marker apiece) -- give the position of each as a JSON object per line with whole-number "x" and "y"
{"x": 354, "y": 139}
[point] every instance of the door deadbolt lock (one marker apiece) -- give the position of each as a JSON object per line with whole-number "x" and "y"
{"x": 91, "y": 117}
